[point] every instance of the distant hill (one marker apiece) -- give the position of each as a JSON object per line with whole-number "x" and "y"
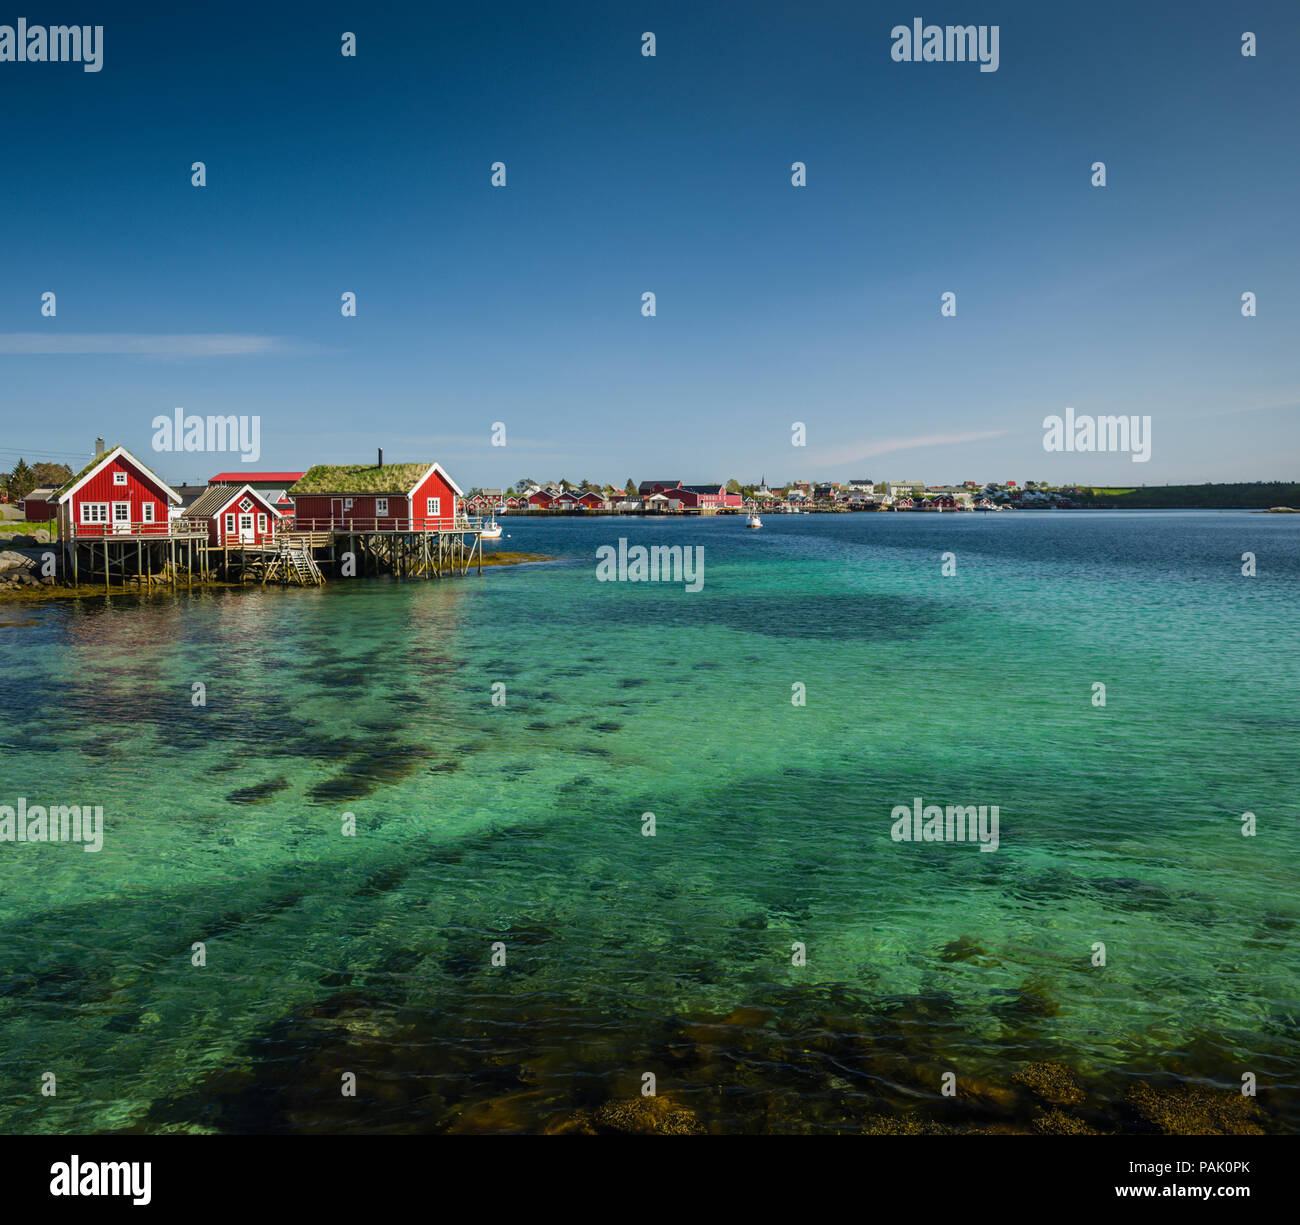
{"x": 1258, "y": 495}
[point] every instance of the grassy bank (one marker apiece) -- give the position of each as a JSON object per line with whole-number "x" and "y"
{"x": 1259, "y": 495}
{"x": 20, "y": 527}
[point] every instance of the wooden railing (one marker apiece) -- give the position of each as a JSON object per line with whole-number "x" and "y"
{"x": 390, "y": 523}
{"x": 174, "y": 529}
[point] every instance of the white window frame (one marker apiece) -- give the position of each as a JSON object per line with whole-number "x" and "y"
{"x": 261, "y": 524}
{"x": 147, "y": 511}
{"x": 433, "y": 508}
{"x": 94, "y": 512}
{"x": 347, "y": 503}
{"x": 119, "y": 478}
{"x": 125, "y": 518}
{"x": 230, "y": 524}
{"x": 381, "y": 508}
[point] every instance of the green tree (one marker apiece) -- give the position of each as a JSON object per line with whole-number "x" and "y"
{"x": 50, "y": 474}
{"x": 21, "y": 481}
{"x": 630, "y": 488}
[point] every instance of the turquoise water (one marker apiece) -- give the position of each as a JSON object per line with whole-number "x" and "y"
{"x": 671, "y": 955}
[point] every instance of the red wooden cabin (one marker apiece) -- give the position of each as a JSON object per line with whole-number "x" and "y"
{"x": 375, "y": 498}
{"x": 39, "y": 505}
{"x": 272, "y": 486}
{"x": 115, "y": 495}
{"x": 235, "y": 515}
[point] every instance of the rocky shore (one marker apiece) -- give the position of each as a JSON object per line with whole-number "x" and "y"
{"x": 21, "y": 562}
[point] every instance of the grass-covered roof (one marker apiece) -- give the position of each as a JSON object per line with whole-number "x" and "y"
{"x": 359, "y": 478}
{"x": 68, "y": 484}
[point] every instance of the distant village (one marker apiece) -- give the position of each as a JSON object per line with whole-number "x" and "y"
{"x": 34, "y": 492}
{"x": 794, "y": 497}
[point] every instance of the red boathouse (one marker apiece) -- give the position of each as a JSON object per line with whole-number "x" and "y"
{"x": 115, "y": 495}
{"x": 235, "y": 515}
{"x": 376, "y": 498}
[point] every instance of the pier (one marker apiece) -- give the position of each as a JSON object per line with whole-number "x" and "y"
{"x": 144, "y": 556}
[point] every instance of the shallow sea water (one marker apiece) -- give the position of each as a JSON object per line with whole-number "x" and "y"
{"x": 671, "y": 955}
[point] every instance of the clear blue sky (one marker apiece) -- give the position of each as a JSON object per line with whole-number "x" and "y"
{"x": 672, "y": 175}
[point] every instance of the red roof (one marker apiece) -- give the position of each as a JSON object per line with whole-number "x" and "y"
{"x": 230, "y": 478}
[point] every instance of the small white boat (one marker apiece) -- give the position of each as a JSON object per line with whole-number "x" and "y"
{"x": 491, "y": 530}
{"x": 754, "y": 521}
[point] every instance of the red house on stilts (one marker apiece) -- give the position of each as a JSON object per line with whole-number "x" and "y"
{"x": 376, "y": 498}
{"x": 115, "y": 515}
{"x": 235, "y": 515}
{"x": 115, "y": 495}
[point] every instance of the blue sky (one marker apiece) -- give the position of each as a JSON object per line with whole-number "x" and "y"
{"x": 629, "y": 174}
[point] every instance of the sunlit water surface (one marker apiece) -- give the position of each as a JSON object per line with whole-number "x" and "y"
{"x": 628, "y": 954}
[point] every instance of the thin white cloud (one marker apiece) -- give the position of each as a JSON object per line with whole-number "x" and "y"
{"x": 202, "y": 344}
{"x": 1290, "y": 399}
{"x": 852, "y": 452}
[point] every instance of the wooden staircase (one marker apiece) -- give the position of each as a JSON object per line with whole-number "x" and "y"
{"x": 295, "y": 566}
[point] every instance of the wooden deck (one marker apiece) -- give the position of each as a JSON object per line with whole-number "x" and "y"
{"x": 178, "y": 553}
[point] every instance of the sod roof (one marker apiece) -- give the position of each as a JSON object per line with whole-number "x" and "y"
{"x": 72, "y": 480}
{"x": 359, "y": 478}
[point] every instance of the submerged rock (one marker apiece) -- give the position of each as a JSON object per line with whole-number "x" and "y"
{"x": 646, "y": 1116}
{"x": 1052, "y": 1083}
{"x": 903, "y": 1125}
{"x": 515, "y": 1112}
{"x": 967, "y": 948}
{"x": 1058, "y": 1123}
{"x": 1195, "y": 1110}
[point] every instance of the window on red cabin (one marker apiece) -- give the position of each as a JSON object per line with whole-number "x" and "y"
{"x": 381, "y": 507}
{"x": 119, "y": 478}
{"x": 148, "y": 512}
{"x": 434, "y": 507}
